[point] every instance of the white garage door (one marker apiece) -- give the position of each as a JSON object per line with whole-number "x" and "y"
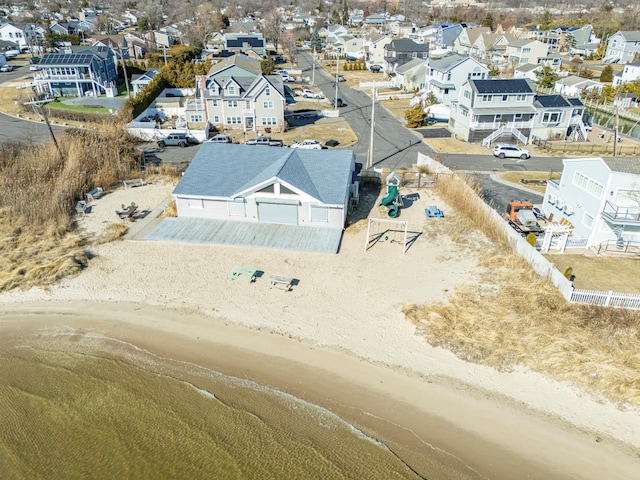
{"x": 278, "y": 213}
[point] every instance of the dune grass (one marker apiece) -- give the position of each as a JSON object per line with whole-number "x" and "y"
{"x": 516, "y": 318}
{"x": 38, "y": 190}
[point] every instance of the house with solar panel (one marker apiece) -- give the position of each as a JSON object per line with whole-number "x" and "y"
{"x": 509, "y": 110}
{"x": 78, "y": 71}
{"x": 236, "y": 96}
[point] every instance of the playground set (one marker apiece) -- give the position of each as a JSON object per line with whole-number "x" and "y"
{"x": 392, "y": 199}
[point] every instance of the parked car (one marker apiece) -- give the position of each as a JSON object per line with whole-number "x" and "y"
{"x": 341, "y": 78}
{"x": 35, "y": 67}
{"x": 338, "y": 103}
{"x": 221, "y": 139}
{"x": 306, "y": 93}
{"x": 176, "y": 140}
{"x": 308, "y": 145}
{"x": 510, "y": 151}
{"x": 287, "y": 78}
{"x": 6, "y": 68}
{"x": 266, "y": 141}
{"x": 376, "y": 68}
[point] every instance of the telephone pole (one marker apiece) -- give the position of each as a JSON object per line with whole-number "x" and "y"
{"x": 335, "y": 99}
{"x": 313, "y": 72}
{"x": 373, "y": 119}
{"x": 615, "y": 135}
{"x": 38, "y": 106}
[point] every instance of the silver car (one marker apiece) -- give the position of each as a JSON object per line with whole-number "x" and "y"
{"x": 510, "y": 151}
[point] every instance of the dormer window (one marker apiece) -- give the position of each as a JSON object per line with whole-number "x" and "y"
{"x": 231, "y": 90}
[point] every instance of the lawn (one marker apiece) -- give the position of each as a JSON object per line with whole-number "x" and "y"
{"x": 79, "y": 108}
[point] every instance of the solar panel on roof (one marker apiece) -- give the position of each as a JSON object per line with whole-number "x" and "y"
{"x": 503, "y": 86}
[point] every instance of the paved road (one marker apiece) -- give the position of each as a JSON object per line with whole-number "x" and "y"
{"x": 394, "y": 146}
{"x": 16, "y": 129}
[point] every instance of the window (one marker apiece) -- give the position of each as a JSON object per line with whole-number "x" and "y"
{"x": 425, "y": 55}
{"x": 521, "y": 97}
{"x": 497, "y": 117}
{"x": 505, "y": 98}
{"x": 446, "y": 91}
{"x": 588, "y": 185}
{"x": 467, "y": 94}
{"x": 234, "y": 120}
{"x": 517, "y": 116}
{"x": 267, "y": 104}
{"x": 551, "y": 117}
{"x": 464, "y": 111}
{"x": 214, "y": 103}
{"x": 232, "y": 103}
{"x": 414, "y": 55}
{"x": 231, "y": 90}
{"x": 196, "y": 117}
{"x": 526, "y": 50}
{"x": 269, "y": 121}
{"x": 487, "y": 98}
{"x": 216, "y": 119}
{"x": 587, "y": 220}
{"x": 267, "y": 91}
{"x": 448, "y": 76}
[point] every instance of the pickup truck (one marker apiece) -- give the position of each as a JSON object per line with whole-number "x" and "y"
{"x": 268, "y": 141}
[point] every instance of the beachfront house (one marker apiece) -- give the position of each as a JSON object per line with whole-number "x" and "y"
{"x": 600, "y": 198}
{"x": 288, "y": 186}
{"x": 11, "y": 33}
{"x": 77, "y": 71}
{"x": 444, "y": 75}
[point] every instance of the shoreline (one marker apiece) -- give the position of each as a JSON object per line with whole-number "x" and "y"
{"x": 461, "y": 425}
{"x": 339, "y": 339}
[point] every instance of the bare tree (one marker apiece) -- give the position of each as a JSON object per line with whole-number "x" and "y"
{"x": 288, "y": 40}
{"x": 272, "y": 27}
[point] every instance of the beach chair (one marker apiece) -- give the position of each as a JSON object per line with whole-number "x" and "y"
{"x": 244, "y": 273}
{"x": 81, "y": 207}
{"x": 94, "y": 194}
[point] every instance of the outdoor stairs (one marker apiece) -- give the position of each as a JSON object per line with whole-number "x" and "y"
{"x": 486, "y": 142}
{"x": 580, "y": 133}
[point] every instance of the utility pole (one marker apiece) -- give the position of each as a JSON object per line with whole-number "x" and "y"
{"x": 164, "y": 48}
{"x": 615, "y": 135}
{"x": 335, "y": 99}
{"x": 373, "y": 119}
{"x": 38, "y": 106}
{"x": 124, "y": 71}
{"x": 313, "y": 72}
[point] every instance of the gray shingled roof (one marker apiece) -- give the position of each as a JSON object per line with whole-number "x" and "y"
{"x": 631, "y": 35}
{"x": 406, "y": 45}
{"x": 242, "y": 61}
{"x": 445, "y": 62}
{"x": 624, "y": 165}
{"x": 227, "y": 170}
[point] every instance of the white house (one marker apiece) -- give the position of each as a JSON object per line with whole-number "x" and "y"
{"x": 599, "y": 197}
{"x": 138, "y": 82}
{"x": 524, "y": 51}
{"x": 374, "y": 46}
{"x": 285, "y": 186}
{"x": 11, "y": 33}
{"x": 574, "y": 86}
{"x": 528, "y": 71}
{"x": 445, "y": 75}
{"x": 630, "y": 73}
{"x": 622, "y": 47}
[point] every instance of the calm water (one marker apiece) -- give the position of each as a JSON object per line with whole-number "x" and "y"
{"x": 79, "y": 406}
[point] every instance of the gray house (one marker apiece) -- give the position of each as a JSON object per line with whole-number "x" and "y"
{"x": 446, "y": 34}
{"x": 285, "y": 186}
{"x": 402, "y": 50}
{"x": 622, "y": 47}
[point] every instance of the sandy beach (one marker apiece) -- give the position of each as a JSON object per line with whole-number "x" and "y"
{"x": 339, "y": 340}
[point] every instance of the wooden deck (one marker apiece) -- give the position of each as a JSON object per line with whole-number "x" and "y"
{"x": 247, "y": 234}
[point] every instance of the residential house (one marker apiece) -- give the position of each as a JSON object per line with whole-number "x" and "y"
{"x": 377, "y": 19}
{"x": 286, "y": 186}
{"x": 352, "y": 47}
{"x": 160, "y": 39}
{"x": 622, "y": 47}
{"x": 235, "y": 95}
{"x": 488, "y": 110}
{"x": 131, "y": 17}
{"x": 574, "y": 86}
{"x": 579, "y": 37}
{"x": 445, "y": 75}
{"x": 528, "y": 71}
{"x": 216, "y": 42}
{"x": 374, "y": 46}
{"x": 630, "y": 73}
{"x": 599, "y": 197}
{"x": 463, "y": 44}
{"x": 446, "y": 34}
{"x": 252, "y": 44}
{"x": 138, "y": 82}
{"x": 411, "y": 75}
{"x": 77, "y": 71}
{"x": 402, "y": 50}
{"x": 553, "y": 61}
{"x": 491, "y": 47}
{"x": 521, "y": 51}
{"x": 10, "y": 33}
{"x": 625, "y": 100}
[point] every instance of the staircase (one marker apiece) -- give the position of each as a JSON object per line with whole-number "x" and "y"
{"x": 486, "y": 142}
{"x": 618, "y": 230}
{"x": 579, "y": 132}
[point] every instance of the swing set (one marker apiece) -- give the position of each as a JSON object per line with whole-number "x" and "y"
{"x": 383, "y": 230}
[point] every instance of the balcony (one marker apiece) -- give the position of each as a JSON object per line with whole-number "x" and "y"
{"x": 617, "y": 215}
{"x": 495, "y": 125}
{"x": 194, "y": 105}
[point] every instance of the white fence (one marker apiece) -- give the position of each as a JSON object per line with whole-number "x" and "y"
{"x": 544, "y": 267}
{"x": 330, "y": 113}
{"x": 606, "y": 299}
{"x": 394, "y": 96}
{"x": 376, "y": 84}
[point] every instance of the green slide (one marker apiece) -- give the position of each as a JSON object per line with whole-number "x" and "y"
{"x": 393, "y": 210}
{"x": 391, "y": 195}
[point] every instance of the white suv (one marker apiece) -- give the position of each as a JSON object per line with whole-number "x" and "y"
{"x": 306, "y": 93}
{"x": 502, "y": 151}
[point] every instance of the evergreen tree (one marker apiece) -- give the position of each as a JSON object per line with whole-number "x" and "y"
{"x": 607, "y": 74}
{"x": 546, "y": 77}
{"x": 415, "y": 116}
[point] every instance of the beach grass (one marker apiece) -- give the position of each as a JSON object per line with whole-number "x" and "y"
{"x": 515, "y": 318}
{"x": 39, "y": 188}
